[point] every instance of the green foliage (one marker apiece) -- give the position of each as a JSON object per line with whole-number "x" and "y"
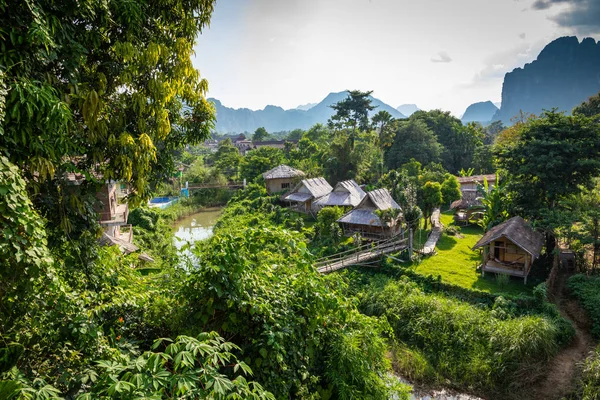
{"x": 65, "y": 104}
{"x": 466, "y": 345}
{"x": 327, "y": 229}
{"x": 24, "y": 254}
{"x": 548, "y": 159}
{"x": 258, "y": 285}
{"x": 589, "y": 383}
{"x": 414, "y": 141}
{"x": 452, "y": 230}
{"x": 432, "y": 198}
{"x": 587, "y": 291}
{"x": 258, "y": 161}
{"x": 352, "y": 113}
{"x": 260, "y": 134}
{"x": 495, "y": 204}
{"x": 450, "y": 189}
{"x": 187, "y": 368}
{"x": 589, "y": 108}
{"x": 228, "y": 159}
{"x": 413, "y": 216}
{"x": 502, "y": 280}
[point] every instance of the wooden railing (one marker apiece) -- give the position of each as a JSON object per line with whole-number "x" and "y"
{"x": 359, "y": 254}
{"x": 230, "y": 185}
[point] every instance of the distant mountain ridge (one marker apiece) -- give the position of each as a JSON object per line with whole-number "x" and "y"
{"x": 408, "y": 109}
{"x": 276, "y": 119}
{"x": 482, "y": 112}
{"x": 565, "y": 74}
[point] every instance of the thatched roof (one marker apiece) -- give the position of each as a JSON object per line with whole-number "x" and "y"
{"x": 313, "y": 188}
{"x": 281, "y": 172}
{"x": 517, "y": 231}
{"x": 470, "y": 198}
{"x": 346, "y": 193}
{"x": 364, "y": 213}
{"x": 491, "y": 178}
{"x": 361, "y": 217}
{"x": 379, "y": 199}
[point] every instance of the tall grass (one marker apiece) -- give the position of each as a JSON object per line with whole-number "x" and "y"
{"x": 469, "y": 347}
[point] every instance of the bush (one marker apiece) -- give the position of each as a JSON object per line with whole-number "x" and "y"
{"x": 452, "y": 230}
{"x": 470, "y": 346}
{"x": 587, "y": 291}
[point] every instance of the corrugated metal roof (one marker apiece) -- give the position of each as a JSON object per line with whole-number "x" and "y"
{"x": 346, "y": 193}
{"x": 517, "y": 231}
{"x": 282, "y": 171}
{"x": 361, "y": 217}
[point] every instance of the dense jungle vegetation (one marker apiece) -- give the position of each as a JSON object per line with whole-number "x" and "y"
{"x": 107, "y": 90}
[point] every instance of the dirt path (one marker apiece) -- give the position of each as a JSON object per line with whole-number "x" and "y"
{"x": 563, "y": 368}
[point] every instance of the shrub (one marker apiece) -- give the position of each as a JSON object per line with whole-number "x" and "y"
{"x": 452, "y": 230}
{"x": 467, "y": 345}
{"x": 587, "y": 291}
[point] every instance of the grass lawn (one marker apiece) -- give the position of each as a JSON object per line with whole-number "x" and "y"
{"x": 456, "y": 263}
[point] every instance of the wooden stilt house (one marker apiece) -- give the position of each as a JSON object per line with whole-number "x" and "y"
{"x": 366, "y": 221}
{"x": 510, "y": 248}
{"x": 344, "y": 194}
{"x": 282, "y": 178}
{"x": 301, "y": 198}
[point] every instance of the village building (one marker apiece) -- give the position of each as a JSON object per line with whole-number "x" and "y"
{"x": 344, "y": 194}
{"x": 282, "y": 178}
{"x": 113, "y": 213}
{"x": 472, "y": 182}
{"x": 365, "y": 220}
{"x": 510, "y": 248}
{"x": 467, "y": 209}
{"x": 306, "y": 192}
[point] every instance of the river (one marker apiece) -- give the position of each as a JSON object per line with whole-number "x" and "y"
{"x": 198, "y": 226}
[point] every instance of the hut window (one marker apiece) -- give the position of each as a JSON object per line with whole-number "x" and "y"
{"x": 285, "y": 185}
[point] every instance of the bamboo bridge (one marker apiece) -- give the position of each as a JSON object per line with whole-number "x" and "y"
{"x": 365, "y": 255}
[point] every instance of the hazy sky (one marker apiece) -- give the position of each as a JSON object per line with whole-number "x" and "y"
{"x": 435, "y": 53}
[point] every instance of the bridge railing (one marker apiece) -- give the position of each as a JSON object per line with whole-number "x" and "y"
{"x": 378, "y": 248}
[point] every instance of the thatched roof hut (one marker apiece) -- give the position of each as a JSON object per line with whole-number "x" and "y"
{"x": 281, "y": 178}
{"x": 365, "y": 221}
{"x": 344, "y": 194}
{"x": 307, "y": 191}
{"x": 510, "y": 248}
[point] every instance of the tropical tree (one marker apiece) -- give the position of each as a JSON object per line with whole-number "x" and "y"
{"x": 495, "y": 204}
{"x": 260, "y": 135}
{"x": 589, "y": 108}
{"x": 100, "y": 88}
{"x": 432, "y": 198}
{"x": 352, "y": 113}
{"x": 414, "y": 140}
{"x": 227, "y": 159}
{"x": 549, "y": 159}
{"x": 258, "y": 161}
{"x": 384, "y": 124}
{"x": 450, "y": 189}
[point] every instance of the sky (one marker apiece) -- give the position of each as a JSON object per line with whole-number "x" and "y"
{"x": 444, "y": 54}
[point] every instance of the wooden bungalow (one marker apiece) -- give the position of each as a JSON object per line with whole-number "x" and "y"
{"x": 364, "y": 220}
{"x": 306, "y": 192}
{"x": 281, "y": 178}
{"x": 471, "y": 182}
{"x": 468, "y": 208}
{"x": 344, "y": 194}
{"x": 510, "y": 248}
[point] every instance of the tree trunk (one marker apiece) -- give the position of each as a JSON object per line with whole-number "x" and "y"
{"x": 550, "y": 243}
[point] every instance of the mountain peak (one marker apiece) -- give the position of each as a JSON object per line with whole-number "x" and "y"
{"x": 408, "y": 109}
{"x": 482, "y": 112}
{"x": 564, "y": 75}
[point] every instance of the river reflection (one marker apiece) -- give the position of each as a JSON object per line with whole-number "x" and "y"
{"x": 195, "y": 227}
